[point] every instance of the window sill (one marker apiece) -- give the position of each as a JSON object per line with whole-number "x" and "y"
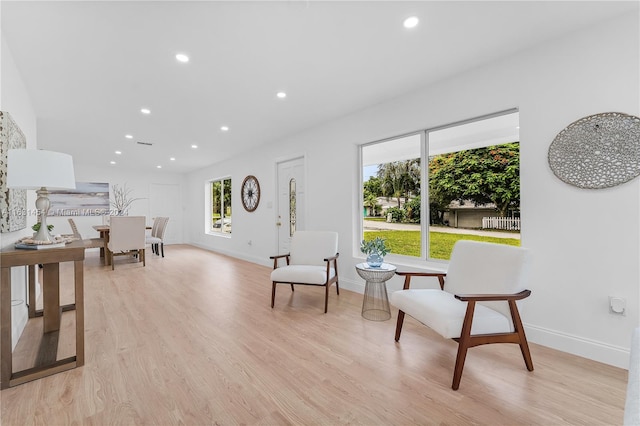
{"x": 414, "y": 263}
{"x": 218, "y": 234}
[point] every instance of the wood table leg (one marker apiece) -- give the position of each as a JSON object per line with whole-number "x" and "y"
{"x": 78, "y": 267}
{"x": 51, "y": 296}
{"x": 6, "y": 364}
{"x": 32, "y": 290}
{"x": 105, "y": 236}
{"x": 107, "y": 253}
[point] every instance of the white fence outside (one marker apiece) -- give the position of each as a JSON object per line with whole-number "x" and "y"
{"x": 507, "y": 223}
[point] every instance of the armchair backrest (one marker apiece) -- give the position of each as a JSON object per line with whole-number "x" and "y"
{"x": 312, "y": 247}
{"x": 127, "y": 233}
{"x": 486, "y": 268}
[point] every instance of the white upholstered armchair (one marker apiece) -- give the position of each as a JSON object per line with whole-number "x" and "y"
{"x": 476, "y": 302}
{"x": 312, "y": 260}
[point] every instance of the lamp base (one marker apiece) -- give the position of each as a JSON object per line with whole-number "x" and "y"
{"x": 42, "y": 204}
{"x": 43, "y": 236}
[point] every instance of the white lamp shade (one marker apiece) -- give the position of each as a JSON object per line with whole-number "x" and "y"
{"x": 34, "y": 168}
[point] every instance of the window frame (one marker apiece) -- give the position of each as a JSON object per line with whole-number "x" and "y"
{"x": 425, "y": 213}
{"x": 208, "y": 222}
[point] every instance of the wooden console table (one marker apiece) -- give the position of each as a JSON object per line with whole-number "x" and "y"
{"x": 46, "y": 363}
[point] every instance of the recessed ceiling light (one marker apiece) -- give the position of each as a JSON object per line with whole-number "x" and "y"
{"x": 224, "y": 128}
{"x": 112, "y": 162}
{"x": 411, "y": 22}
{"x": 281, "y": 95}
{"x": 145, "y": 111}
{"x": 128, "y": 136}
{"x": 118, "y": 152}
{"x": 172, "y": 158}
{"x": 194, "y": 146}
{"x": 158, "y": 167}
{"x": 181, "y": 57}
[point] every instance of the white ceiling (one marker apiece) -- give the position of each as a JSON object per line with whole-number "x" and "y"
{"x": 90, "y": 66}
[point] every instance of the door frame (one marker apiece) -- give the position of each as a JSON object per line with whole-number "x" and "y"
{"x": 301, "y": 210}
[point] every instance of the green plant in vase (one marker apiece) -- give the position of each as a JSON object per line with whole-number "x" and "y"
{"x": 375, "y": 250}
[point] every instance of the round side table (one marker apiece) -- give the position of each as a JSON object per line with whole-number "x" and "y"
{"x": 375, "y": 306}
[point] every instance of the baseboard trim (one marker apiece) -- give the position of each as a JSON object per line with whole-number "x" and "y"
{"x": 355, "y": 286}
{"x": 242, "y": 256}
{"x": 576, "y": 345}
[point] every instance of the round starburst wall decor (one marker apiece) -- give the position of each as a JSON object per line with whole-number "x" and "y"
{"x": 598, "y": 151}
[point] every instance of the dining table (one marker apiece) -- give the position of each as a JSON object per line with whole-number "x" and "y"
{"x": 104, "y": 234}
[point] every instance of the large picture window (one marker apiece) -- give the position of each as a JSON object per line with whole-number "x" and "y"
{"x": 220, "y": 206}
{"x": 425, "y": 191}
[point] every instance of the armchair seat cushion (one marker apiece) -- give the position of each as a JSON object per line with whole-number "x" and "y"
{"x": 442, "y": 312}
{"x": 307, "y": 274}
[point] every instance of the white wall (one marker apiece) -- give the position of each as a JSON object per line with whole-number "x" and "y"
{"x": 140, "y": 185}
{"x": 585, "y": 243}
{"x": 14, "y": 99}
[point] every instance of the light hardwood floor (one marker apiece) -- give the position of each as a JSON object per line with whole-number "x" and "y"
{"x": 191, "y": 339}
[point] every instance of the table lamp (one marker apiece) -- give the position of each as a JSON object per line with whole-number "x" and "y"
{"x": 39, "y": 169}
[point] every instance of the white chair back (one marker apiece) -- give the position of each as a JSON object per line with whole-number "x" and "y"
{"x": 162, "y": 227}
{"x": 127, "y": 233}
{"x": 312, "y": 247}
{"x": 156, "y": 225}
{"x": 486, "y": 268}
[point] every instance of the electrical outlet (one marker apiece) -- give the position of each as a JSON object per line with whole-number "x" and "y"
{"x": 617, "y": 305}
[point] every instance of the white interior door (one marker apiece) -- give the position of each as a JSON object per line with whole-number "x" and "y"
{"x": 165, "y": 200}
{"x": 291, "y": 201}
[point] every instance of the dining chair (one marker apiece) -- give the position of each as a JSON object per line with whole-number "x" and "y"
{"x": 156, "y": 239}
{"x": 88, "y": 243}
{"x": 127, "y": 236}
{"x": 151, "y": 239}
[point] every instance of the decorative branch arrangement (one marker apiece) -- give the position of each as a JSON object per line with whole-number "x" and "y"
{"x": 121, "y": 199}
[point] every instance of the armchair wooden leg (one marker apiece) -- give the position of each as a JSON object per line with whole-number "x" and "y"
{"x": 464, "y": 343}
{"x": 162, "y": 248}
{"x": 144, "y": 259}
{"x": 273, "y": 292}
{"x": 524, "y": 345}
{"x": 326, "y": 298}
{"x": 399, "y": 325}
{"x": 462, "y": 355}
{"x": 337, "y": 288}
{"x": 291, "y": 287}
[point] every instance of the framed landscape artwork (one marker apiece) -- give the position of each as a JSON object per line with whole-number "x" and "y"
{"x": 88, "y": 199}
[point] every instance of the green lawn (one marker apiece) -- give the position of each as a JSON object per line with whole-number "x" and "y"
{"x": 408, "y": 242}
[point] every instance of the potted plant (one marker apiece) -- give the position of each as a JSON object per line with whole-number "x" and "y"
{"x": 375, "y": 250}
